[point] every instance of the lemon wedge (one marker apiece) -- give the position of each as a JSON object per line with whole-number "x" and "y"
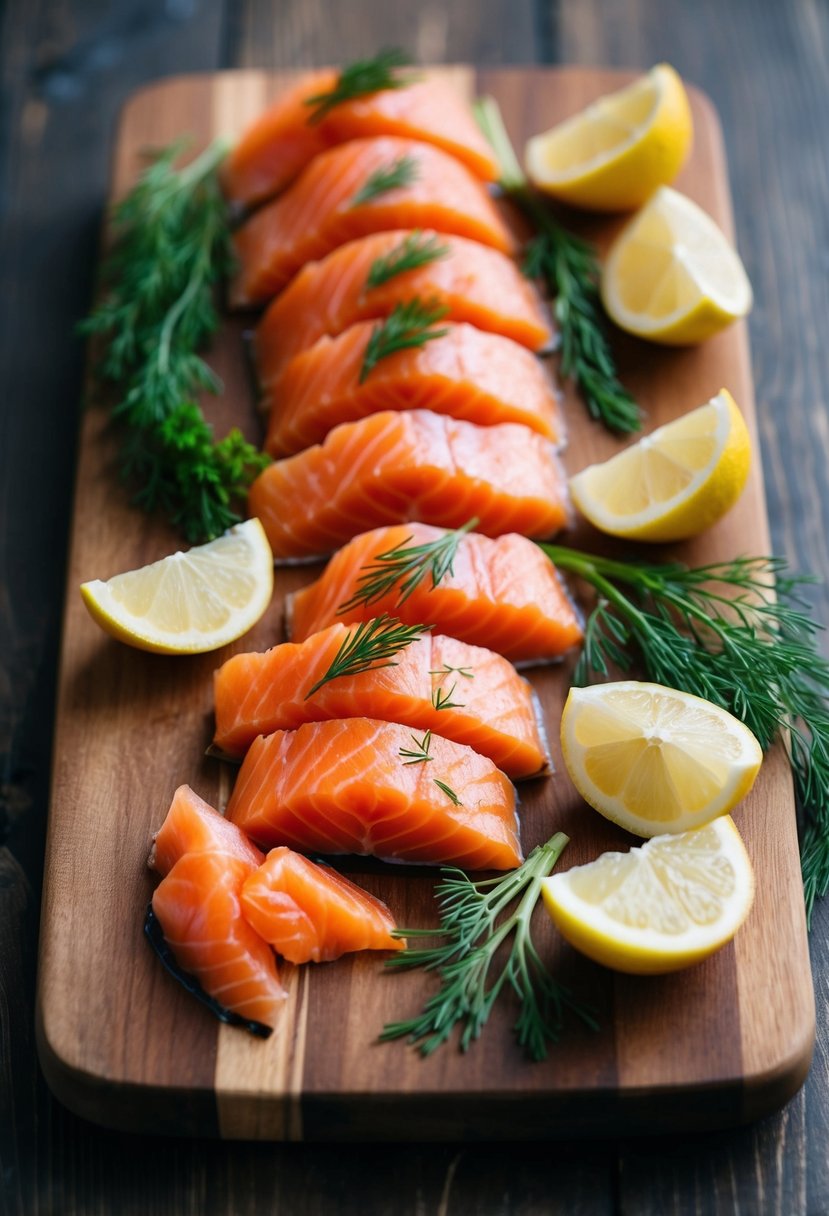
{"x": 674, "y": 483}
{"x": 654, "y": 759}
{"x": 663, "y": 906}
{"x": 671, "y": 275}
{"x": 613, "y": 155}
{"x": 189, "y": 602}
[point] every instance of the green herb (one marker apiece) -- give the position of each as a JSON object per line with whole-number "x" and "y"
{"x": 421, "y": 754}
{"x": 570, "y": 271}
{"x": 448, "y": 791}
{"x": 401, "y": 172}
{"x": 414, "y": 251}
{"x": 370, "y": 646}
{"x": 410, "y": 324}
{"x": 466, "y": 672}
{"x": 361, "y": 78}
{"x": 171, "y": 245}
{"x": 474, "y": 925}
{"x": 736, "y": 633}
{"x": 405, "y": 567}
{"x": 443, "y": 700}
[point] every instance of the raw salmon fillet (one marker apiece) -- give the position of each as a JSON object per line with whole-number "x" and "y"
{"x": 319, "y": 211}
{"x": 490, "y": 706}
{"x": 198, "y": 907}
{"x": 465, "y": 374}
{"x": 392, "y": 467}
{"x": 282, "y": 141}
{"x": 473, "y": 282}
{"x": 193, "y": 826}
{"x": 310, "y": 913}
{"x": 343, "y": 787}
{"x": 502, "y": 593}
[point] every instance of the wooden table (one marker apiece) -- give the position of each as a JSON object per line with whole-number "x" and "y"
{"x": 67, "y": 68}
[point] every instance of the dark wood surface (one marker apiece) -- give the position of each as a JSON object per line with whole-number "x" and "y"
{"x": 66, "y": 69}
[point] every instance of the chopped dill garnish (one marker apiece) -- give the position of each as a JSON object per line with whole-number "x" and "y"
{"x": 371, "y": 645}
{"x": 419, "y": 756}
{"x": 414, "y": 251}
{"x": 410, "y": 324}
{"x": 447, "y": 670}
{"x": 443, "y": 700}
{"x": 401, "y": 172}
{"x": 405, "y": 567}
{"x": 448, "y": 791}
{"x": 361, "y": 78}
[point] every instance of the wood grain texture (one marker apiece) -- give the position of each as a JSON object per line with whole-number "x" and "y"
{"x": 132, "y": 727}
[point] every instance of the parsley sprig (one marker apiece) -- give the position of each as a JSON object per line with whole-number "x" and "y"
{"x": 570, "y": 272}
{"x": 475, "y": 922}
{"x": 171, "y": 245}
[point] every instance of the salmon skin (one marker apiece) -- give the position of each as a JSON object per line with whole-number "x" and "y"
{"x": 484, "y": 702}
{"x": 344, "y": 787}
{"x": 391, "y": 467}
{"x": 205, "y": 860}
{"x": 309, "y": 913}
{"x": 321, "y": 210}
{"x": 464, "y": 374}
{"x": 502, "y": 593}
{"x": 471, "y": 281}
{"x": 284, "y": 139}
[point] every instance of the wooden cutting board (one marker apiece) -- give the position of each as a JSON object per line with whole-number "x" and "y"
{"x": 121, "y": 1044}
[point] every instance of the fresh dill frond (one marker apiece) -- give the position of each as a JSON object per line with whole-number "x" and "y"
{"x": 410, "y": 324}
{"x": 443, "y": 700}
{"x": 570, "y": 271}
{"x": 400, "y": 172}
{"x": 405, "y": 567}
{"x": 475, "y": 922}
{"x": 448, "y": 791}
{"x": 447, "y": 670}
{"x": 421, "y": 754}
{"x": 737, "y": 633}
{"x": 156, "y": 310}
{"x": 415, "y": 250}
{"x": 359, "y": 79}
{"x": 371, "y": 645}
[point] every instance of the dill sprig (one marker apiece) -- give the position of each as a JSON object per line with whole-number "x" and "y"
{"x": 442, "y": 699}
{"x": 420, "y": 753}
{"x": 371, "y": 645}
{"x": 569, "y": 268}
{"x": 405, "y": 567}
{"x": 410, "y": 324}
{"x": 737, "y": 633}
{"x": 415, "y": 250}
{"x": 171, "y": 245}
{"x": 474, "y": 924}
{"x": 447, "y": 669}
{"x": 448, "y": 791}
{"x": 361, "y": 78}
{"x": 400, "y": 172}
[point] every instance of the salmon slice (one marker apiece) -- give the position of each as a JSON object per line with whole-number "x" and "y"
{"x": 392, "y": 467}
{"x": 502, "y": 593}
{"x": 192, "y": 826}
{"x": 320, "y": 211}
{"x": 344, "y": 787}
{"x": 283, "y": 140}
{"x": 484, "y": 702}
{"x": 310, "y": 913}
{"x": 465, "y": 374}
{"x": 472, "y": 282}
{"x": 198, "y": 907}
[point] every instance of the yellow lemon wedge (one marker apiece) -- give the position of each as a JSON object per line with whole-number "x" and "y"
{"x": 616, "y": 153}
{"x": 654, "y": 759}
{"x": 673, "y": 483}
{"x": 661, "y": 907}
{"x": 189, "y": 602}
{"x": 671, "y": 275}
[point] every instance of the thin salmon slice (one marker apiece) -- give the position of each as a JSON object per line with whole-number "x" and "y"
{"x": 502, "y": 593}
{"x": 283, "y": 140}
{"x": 344, "y": 787}
{"x": 392, "y": 467}
{"x": 484, "y": 702}
{"x": 193, "y": 826}
{"x": 198, "y": 907}
{"x": 472, "y": 282}
{"x": 309, "y": 913}
{"x": 465, "y": 374}
{"x": 320, "y": 211}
